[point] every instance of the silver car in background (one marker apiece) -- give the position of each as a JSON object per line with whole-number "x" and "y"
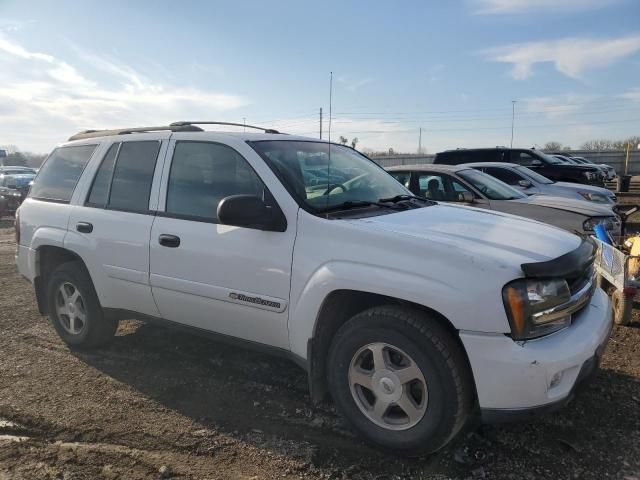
{"x": 468, "y": 186}
{"x": 532, "y": 183}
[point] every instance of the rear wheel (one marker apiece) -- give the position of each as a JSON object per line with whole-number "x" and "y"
{"x": 74, "y": 308}
{"x": 401, "y": 379}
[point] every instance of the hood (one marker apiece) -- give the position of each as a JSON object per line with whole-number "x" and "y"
{"x": 578, "y": 187}
{"x": 582, "y": 207}
{"x": 499, "y": 238}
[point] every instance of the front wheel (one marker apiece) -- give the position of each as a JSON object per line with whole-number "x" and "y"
{"x": 401, "y": 379}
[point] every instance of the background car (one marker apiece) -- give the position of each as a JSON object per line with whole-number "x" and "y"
{"x": 609, "y": 170}
{"x": 468, "y": 186}
{"x": 16, "y": 169}
{"x": 546, "y": 165}
{"x": 532, "y": 183}
{"x": 17, "y": 181}
{"x": 10, "y": 196}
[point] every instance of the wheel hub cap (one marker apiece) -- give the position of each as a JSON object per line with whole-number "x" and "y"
{"x": 388, "y": 386}
{"x": 70, "y": 308}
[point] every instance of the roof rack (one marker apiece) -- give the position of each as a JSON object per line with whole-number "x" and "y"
{"x": 125, "y": 131}
{"x": 173, "y": 127}
{"x": 184, "y": 124}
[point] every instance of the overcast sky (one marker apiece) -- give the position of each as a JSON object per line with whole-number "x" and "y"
{"x": 452, "y": 68}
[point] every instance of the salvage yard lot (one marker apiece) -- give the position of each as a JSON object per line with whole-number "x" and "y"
{"x": 161, "y": 400}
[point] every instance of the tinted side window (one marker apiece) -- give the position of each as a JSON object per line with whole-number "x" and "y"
{"x": 100, "y": 189}
{"x": 446, "y": 158}
{"x": 523, "y": 158}
{"x": 133, "y": 175}
{"x": 59, "y": 175}
{"x": 202, "y": 174}
{"x": 507, "y": 176}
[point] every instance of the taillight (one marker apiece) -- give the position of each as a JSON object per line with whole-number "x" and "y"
{"x": 16, "y": 226}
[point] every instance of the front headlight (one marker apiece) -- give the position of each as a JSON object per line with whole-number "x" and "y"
{"x": 524, "y": 301}
{"x": 595, "y": 197}
{"x": 607, "y": 222}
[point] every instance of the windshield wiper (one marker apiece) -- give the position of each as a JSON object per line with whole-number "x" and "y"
{"x": 360, "y": 203}
{"x": 404, "y": 198}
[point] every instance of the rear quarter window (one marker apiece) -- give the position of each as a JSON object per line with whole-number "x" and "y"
{"x": 58, "y": 177}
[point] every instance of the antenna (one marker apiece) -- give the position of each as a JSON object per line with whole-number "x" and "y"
{"x": 329, "y": 133}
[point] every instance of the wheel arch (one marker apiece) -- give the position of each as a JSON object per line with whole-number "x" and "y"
{"x": 336, "y": 309}
{"x": 48, "y": 258}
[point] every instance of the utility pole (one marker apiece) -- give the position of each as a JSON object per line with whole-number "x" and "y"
{"x": 244, "y": 123}
{"x": 420, "y": 142}
{"x": 513, "y": 118}
{"x": 320, "y": 123}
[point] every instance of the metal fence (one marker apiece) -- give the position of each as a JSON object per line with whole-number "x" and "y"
{"x": 615, "y": 158}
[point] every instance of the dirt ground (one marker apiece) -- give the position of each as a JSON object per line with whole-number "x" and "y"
{"x": 159, "y": 403}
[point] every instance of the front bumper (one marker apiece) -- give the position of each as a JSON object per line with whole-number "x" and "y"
{"x": 520, "y": 378}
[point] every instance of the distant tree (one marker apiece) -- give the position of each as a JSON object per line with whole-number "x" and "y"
{"x": 553, "y": 146}
{"x": 631, "y": 141}
{"x": 354, "y": 142}
{"x": 601, "y": 144}
{"x": 16, "y": 158}
{"x": 391, "y": 151}
{"x": 10, "y": 148}
{"x": 343, "y": 140}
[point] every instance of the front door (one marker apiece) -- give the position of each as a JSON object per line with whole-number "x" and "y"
{"x": 230, "y": 280}
{"x": 445, "y": 188}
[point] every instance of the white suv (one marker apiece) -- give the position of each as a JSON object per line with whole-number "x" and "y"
{"x": 414, "y": 316}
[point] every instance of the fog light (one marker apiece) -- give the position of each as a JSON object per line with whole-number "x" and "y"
{"x": 555, "y": 380}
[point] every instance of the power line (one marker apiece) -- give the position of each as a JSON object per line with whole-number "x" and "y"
{"x": 504, "y": 127}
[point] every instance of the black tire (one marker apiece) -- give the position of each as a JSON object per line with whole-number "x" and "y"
{"x": 439, "y": 358}
{"x": 97, "y": 329}
{"x": 622, "y": 308}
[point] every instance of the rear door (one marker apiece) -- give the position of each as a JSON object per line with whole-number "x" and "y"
{"x": 230, "y": 280}
{"x": 111, "y": 226}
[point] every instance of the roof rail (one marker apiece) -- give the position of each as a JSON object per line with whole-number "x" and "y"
{"x": 184, "y": 124}
{"x": 124, "y": 131}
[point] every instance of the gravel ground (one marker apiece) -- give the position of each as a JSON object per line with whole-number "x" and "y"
{"x": 159, "y": 403}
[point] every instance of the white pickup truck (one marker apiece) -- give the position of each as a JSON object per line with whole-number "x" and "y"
{"x": 414, "y": 316}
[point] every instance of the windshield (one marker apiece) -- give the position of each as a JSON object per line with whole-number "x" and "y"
{"x": 580, "y": 160}
{"x": 550, "y": 158}
{"x": 321, "y": 183}
{"x": 567, "y": 160}
{"x": 535, "y": 176}
{"x": 491, "y": 187}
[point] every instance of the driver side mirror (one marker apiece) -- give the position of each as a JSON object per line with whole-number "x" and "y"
{"x": 465, "y": 197}
{"x": 536, "y": 163}
{"x": 250, "y": 211}
{"x": 524, "y": 183}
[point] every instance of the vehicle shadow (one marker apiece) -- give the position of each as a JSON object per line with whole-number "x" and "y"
{"x": 255, "y": 398}
{"x": 251, "y": 396}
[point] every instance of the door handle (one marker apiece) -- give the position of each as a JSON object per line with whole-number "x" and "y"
{"x": 171, "y": 241}
{"x": 84, "y": 227}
